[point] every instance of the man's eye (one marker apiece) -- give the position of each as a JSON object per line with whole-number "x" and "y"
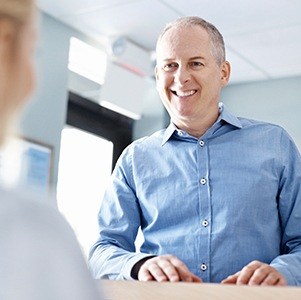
{"x": 196, "y": 64}
{"x": 169, "y": 67}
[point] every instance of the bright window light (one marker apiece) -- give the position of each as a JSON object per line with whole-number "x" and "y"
{"x": 84, "y": 170}
{"x": 87, "y": 60}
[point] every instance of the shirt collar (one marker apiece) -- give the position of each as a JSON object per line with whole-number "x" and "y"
{"x": 227, "y": 116}
{"x": 224, "y": 115}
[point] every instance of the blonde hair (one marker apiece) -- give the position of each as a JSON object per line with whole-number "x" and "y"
{"x": 17, "y": 13}
{"x": 216, "y": 38}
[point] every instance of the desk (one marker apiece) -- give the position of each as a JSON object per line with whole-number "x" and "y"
{"x": 134, "y": 290}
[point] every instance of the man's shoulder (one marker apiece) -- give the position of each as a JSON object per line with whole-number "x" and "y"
{"x": 257, "y": 124}
{"x": 143, "y": 146}
{"x": 154, "y": 139}
{"x": 268, "y": 132}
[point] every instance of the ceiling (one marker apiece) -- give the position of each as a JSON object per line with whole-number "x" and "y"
{"x": 263, "y": 37}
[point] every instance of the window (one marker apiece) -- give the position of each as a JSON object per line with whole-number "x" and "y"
{"x": 84, "y": 168}
{"x": 87, "y": 61}
{"x": 91, "y": 143}
{"x": 90, "y": 146}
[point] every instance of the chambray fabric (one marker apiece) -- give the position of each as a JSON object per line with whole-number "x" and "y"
{"x": 217, "y": 202}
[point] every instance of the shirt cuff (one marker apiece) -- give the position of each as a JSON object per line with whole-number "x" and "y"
{"x": 127, "y": 270}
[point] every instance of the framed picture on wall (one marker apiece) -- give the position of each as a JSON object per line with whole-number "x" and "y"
{"x": 26, "y": 163}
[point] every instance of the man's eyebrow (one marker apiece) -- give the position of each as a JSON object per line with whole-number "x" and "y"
{"x": 191, "y": 58}
{"x": 167, "y": 59}
{"x": 196, "y": 57}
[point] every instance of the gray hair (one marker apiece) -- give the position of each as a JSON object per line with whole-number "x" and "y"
{"x": 216, "y": 38}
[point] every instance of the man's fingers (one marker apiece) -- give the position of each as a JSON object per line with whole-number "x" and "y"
{"x": 166, "y": 268}
{"x": 271, "y": 279}
{"x": 188, "y": 276}
{"x": 260, "y": 274}
{"x": 145, "y": 275}
{"x": 281, "y": 281}
{"x": 169, "y": 269}
{"x": 274, "y": 278}
{"x": 231, "y": 279}
{"x": 257, "y": 273}
{"x": 157, "y": 272}
{"x": 247, "y": 272}
{"x": 183, "y": 271}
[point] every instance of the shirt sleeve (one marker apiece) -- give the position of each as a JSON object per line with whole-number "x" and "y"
{"x": 113, "y": 255}
{"x": 289, "y": 263}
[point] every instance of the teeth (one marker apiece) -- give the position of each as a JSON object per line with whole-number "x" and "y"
{"x": 185, "y": 94}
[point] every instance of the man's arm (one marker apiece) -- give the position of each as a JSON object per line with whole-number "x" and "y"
{"x": 113, "y": 255}
{"x": 289, "y": 206}
{"x": 286, "y": 267}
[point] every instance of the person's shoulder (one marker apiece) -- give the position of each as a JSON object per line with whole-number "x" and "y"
{"x": 267, "y": 131}
{"x": 147, "y": 142}
{"x": 38, "y": 212}
{"x": 39, "y": 243}
{"x": 156, "y": 137}
{"x": 253, "y": 124}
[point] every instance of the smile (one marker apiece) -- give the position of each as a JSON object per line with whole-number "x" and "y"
{"x": 184, "y": 94}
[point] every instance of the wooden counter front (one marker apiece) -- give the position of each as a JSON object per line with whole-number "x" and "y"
{"x": 135, "y": 290}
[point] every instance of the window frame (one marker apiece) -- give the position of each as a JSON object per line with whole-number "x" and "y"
{"x": 89, "y": 116}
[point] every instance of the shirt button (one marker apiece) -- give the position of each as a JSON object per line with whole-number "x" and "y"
{"x": 205, "y": 223}
{"x": 180, "y": 133}
{"x": 202, "y": 143}
{"x": 203, "y": 267}
{"x": 203, "y": 181}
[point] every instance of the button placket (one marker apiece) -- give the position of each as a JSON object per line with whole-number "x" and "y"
{"x": 204, "y": 212}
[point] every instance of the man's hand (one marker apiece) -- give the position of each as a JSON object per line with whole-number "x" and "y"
{"x": 257, "y": 273}
{"x": 166, "y": 268}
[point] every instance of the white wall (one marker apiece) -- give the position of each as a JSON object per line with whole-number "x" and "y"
{"x": 44, "y": 117}
{"x": 277, "y": 101}
{"x": 153, "y": 113}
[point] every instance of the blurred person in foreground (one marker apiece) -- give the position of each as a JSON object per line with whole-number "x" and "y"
{"x": 218, "y": 198}
{"x": 39, "y": 254}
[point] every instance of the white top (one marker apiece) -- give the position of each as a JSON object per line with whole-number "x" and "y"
{"x": 40, "y": 258}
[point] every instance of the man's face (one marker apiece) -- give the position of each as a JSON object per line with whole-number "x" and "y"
{"x": 189, "y": 79}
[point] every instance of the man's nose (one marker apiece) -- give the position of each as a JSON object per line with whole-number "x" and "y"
{"x": 182, "y": 75}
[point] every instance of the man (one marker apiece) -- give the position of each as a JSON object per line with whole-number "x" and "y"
{"x": 218, "y": 198}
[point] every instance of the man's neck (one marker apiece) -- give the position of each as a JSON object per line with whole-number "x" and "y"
{"x": 198, "y": 127}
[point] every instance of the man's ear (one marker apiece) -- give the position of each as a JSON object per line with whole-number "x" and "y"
{"x": 156, "y": 72}
{"x": 225, "y": 72}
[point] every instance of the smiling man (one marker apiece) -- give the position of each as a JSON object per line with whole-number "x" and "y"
{"x": 218, "y": 198}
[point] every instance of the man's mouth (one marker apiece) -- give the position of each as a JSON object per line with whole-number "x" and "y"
{"x": 184, "y": 94}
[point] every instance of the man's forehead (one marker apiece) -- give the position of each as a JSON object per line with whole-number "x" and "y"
{"x": 182, "y": 40}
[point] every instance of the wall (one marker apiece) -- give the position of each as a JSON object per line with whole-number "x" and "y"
{"x": 277, "y": 101}
{"x": 44, "y": 117}
{"x": 153, "y": 116}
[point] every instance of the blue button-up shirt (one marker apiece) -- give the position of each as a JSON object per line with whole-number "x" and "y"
{"x": 217, "y": 202}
